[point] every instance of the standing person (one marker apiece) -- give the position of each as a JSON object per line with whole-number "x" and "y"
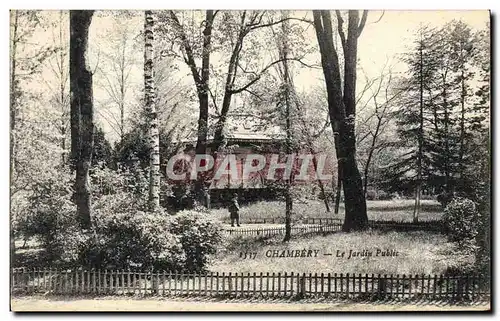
{"x": 234, "y": 210}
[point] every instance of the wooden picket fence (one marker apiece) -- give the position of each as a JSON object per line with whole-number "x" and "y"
{"x": 296, "y": 230}
{"x": 324, "y": 226}
{"x": 428, "y": 224}
{"x": 281, "y": 220}
{"x": 434, "y": 225}
{"x": 254, "y": 285}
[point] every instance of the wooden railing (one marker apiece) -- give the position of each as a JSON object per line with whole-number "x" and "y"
{"x": 281, "y": 220}
{"x": 342, "y": 286}
{"x": 296, "y": 230}
{"x": 324, "y": 226}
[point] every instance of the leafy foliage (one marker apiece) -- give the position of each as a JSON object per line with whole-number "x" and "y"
{"x": 440, "y": 110}
{"x": 50, "y": 212}
{"x": 102, "y": 152}
{"x": 128, "y": 239}
{"x": 462, "y": 220}
{"x": 199, "y": 236}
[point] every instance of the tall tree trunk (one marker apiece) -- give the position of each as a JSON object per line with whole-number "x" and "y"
{"x": 228, "y": 87}
{"x": 416, "y": 209}
{"x": 201, "y": 188}
{"x": 13, "y": 94}
{"x": 203, "y": 91}
{"x": 366, "y": 170}
{"x": 462, "y": 127}
{"x": 320, "y": 183}
{"x": 122, "y": 93}
{"x": 338, "y": 191}
{"x": 355, "y": 203}
{"x": 288, "y": 129}
{"x": 446, "y": 140}
{"x": 13, "y": 116}
{"x": 342, "y": 110}
{"x": 82, "y": 112}
{"x": 150, "y": 97}
{"x": 62, "y": 87}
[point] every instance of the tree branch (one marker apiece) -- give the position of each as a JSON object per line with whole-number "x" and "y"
{"x": 187, "y": 48}
{"x": 259, "y": 75}
{"x": 340, "y": 29}
{"x": 363, "y": 22}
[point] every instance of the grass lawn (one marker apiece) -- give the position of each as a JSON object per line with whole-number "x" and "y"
{"x": 398, "y": 210}
{"x": 417, "y": 253}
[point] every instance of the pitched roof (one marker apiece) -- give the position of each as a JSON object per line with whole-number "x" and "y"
{"x": 246, "y": 128}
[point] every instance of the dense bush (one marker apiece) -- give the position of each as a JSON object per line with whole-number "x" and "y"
{"x": 123, "y": 234}
{"x": 49, "y": 212}
{"x": 199, "y": 235}
{"x": 149, "y": 241}
{"x": 133, "y": 239}
{"x": 462, "y": 220}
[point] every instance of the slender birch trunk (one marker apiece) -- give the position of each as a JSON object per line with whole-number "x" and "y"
{"x": 152, "y": 114}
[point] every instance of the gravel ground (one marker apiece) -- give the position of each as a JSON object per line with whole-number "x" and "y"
{"x": 20, "y": 304}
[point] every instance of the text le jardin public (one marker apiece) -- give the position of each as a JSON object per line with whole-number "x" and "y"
{"x": 341, "y": 254}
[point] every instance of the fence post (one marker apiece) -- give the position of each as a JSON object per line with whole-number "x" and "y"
{"x": 322, "y": 284}
{"x": 441, "y": 281}
{"x": 170, "y": 282}
{"x": 302, "y": 287}
{"x": 347, "y": 284}
{"x": 156, "y": 283}
{"x": 216, "y": 283}
{"x": 181, "y": 278}
{"x": 223, "y": 283}
{"x": 335, "y": 285}
{"x": 285, "y": 276}
{"x": 254, "y": 284}
{"x": 381, "y": 291}
{"x": 329, "y": 287}
{"x": 279, "y": 284}
{"x": 267, "y": 284}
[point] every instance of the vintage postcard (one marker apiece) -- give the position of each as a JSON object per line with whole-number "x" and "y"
{"x": 250, "y": 160}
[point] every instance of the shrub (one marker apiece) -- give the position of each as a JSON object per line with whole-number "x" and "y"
{"x": 384, "y": 196}
{"x": 50, "y": 212}
{"x": 132, "y": 239}
{"x": 444, "y": 198}
{"x": 123, "y": 234}
{"x": 127, "y": 238}
{"x": 462, "y": 220}
{"x": 199, "y": 235}
{"x": 371, "y": 194}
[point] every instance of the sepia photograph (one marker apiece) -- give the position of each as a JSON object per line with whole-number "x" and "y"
{"x": 250, "y": 160}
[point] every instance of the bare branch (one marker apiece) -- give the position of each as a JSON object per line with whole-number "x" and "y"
{"x": 214, "y": 99}
{"x": 189, "y": 59}
{"x": 97, "y": 63}
{"x": 259, "y": 75}
{"x": 363, "y": 21}
{"x": 380, "y": 18}
{"x": 272, "y": 23}
{"x": 340, "y": 29}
